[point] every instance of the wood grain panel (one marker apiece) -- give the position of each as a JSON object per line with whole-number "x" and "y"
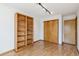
{"x": 51, "y": 31}
{"x": 46, "y": 31}
{"x": 29, "y": 30}
{"x": 21, "y": 32}
{"x": 70, "y": 31}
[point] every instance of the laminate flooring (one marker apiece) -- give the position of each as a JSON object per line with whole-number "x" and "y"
{"x": 44, "y": 48}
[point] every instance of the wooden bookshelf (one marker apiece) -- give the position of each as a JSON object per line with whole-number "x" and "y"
{"x": 24, "y": 31}
{"x": 29, "y": 30}
{"x": 21, "y": 31}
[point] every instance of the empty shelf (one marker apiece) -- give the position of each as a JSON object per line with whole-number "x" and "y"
{"x": 21, "y": 41}
{"x": 21, "y": 46}
{"x": 20, "y": 35}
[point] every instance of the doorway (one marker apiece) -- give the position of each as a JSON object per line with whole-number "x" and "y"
{"x": 70, "y": 31}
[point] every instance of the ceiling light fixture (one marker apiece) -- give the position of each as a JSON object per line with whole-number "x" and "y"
{"x": 44, "y": 8}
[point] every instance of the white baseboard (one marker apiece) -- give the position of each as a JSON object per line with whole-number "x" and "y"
{"x": 4, "y": 52}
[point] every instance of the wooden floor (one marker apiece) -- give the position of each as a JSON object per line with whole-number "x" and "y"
{"x": 42, "y": 48}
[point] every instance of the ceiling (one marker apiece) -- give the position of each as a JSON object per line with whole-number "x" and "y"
{"x": 56, "y": 8}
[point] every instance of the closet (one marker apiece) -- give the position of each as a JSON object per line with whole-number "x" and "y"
{"x": 51, "y": 31}
{"x": 24, "y": 31}
{"x": 70, "y": 31}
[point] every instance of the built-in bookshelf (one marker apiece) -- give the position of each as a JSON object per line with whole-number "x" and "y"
{"x": 21, "y": 31}
{"x": 29, "y": 30}
{"x": 24, "y": 31}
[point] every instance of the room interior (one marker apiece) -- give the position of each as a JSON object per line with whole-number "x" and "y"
{"x": 39, "y": 29}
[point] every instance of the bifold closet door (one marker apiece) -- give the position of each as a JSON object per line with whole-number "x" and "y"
{"x": 46, "y": 31}
{"x": 51, "y": 31}
{"x": 70, "y": 31}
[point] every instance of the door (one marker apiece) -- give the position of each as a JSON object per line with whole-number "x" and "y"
{"x": 46, "y": 31}
{"x": 70, "y": 31}
{"x": 51, "y": 31}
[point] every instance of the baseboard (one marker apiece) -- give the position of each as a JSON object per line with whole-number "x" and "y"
{"x": 37, "y": 41}
{"x": 6, "y": 52}
{"x": 68, "y": 43}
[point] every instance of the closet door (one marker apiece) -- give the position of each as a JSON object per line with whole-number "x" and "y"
{"x": 51, "y": 31}
{"x": 20, "y": 31}
{"x": 70, "y": 31}
{"x": 54, "y": 31}
{"x": 46, "y": 31}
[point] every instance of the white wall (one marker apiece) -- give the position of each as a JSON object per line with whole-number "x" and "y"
{"x": 37, "y": 27}
{"x": 78, "y": 30}
{"x": 69, "y": 17}
{"x": 7, "y": 15}
{"x": 60, "y": 26}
